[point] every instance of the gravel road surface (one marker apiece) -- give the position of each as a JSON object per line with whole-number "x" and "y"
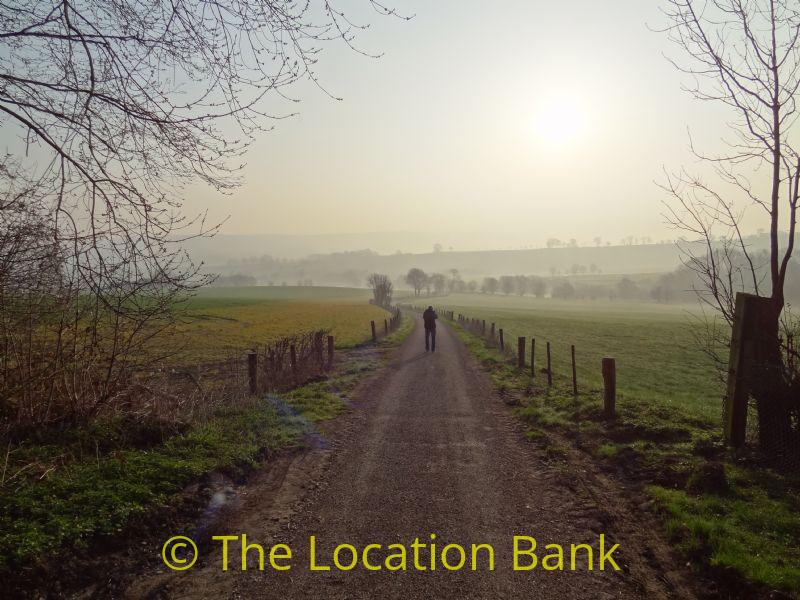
{"x": 429, "y": 448}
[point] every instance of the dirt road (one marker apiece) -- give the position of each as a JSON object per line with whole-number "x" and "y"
{"x": 429, "y": 449}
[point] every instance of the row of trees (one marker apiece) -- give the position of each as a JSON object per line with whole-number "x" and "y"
{"x": 523, "y": 285}
{"x": 437, "y": 283}
{"x": 681, "y": 285}
{"x": 514, "y": 284}
{"x": 598, "y": 241}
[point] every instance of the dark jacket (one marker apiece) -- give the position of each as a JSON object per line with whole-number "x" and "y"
{"x": 429, "y": 317}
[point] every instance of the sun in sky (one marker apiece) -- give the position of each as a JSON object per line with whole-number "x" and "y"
{"x": 561, "y": 121}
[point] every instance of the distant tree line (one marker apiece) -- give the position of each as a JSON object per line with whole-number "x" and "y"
{"x": 680, "y": 285}
{"x": 438, "y": 283}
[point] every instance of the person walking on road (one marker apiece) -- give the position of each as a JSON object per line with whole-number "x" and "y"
{"x": 429, "y": 318}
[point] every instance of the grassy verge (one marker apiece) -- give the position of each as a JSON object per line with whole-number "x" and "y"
{"x": 77, "y": 487}
{"x": 101, "y": 495}
{"x": 732, "y": 517}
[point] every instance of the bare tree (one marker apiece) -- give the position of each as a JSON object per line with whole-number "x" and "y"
{"x": 507, "y": 284}
{"x": 117, "y": 106}
{"x": 521, "y": 284}
{"x": 382, "y": 289}
{"x": 744, "y": 54}
{"x": 490, "y": 285}
{"x": 537, "y": 286}
{"x": 417, "y": 279}
{"x": 438, "y": 281}
{"x": 454, "y": 283}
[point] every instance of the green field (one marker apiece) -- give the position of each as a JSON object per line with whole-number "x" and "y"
{"x": 656, "y": 353}
{"x": 219, "y": 322}
{"x": 734, "y": 516}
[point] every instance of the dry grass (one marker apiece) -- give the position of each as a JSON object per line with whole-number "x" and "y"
{"x": 225, "y": 321}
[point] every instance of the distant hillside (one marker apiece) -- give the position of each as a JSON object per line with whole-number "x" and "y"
{"x": 255, "y": 256}
{"x": 222, "y": 247}
{"x": 351, "y": 268}
{"x": 542, "y": 261}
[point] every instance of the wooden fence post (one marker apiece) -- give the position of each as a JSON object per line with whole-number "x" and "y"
{"x": 318, "y": 348}
{"x": 746, "y": 351}
{"x": 330, "y": 351}
{"x": 502, "y": 343}
{"x": 271, "y": 370}
{"x": 521, "y": 352}
{"x": 549, "y": 367}
{"x": 293, "y": 362}
{"x": 374, "y": 335}
{"x": 609, "y": 387}
{"x": 385, "y": 327}
{"x": 252, "y": 371}
{"x": 533, "y": 357}
{"x": 574, "y": 375}
{"x": 483, "y": 327}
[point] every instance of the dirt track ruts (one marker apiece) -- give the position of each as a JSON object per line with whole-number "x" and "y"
{"x": 430, "y": 448}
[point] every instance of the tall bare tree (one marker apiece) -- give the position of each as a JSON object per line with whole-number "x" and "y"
{"x": 490, "y": 285}
{"x": 382, "y": 289}
{"x": 745, "y": 54}
{"x": 438, "y": 281}
{"x": 417, "y": 279}
{"x": 118, "y": 105}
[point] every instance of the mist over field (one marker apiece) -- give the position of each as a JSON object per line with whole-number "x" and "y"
{"x": 630, "y": 269}
{"x": 232, "y": 255}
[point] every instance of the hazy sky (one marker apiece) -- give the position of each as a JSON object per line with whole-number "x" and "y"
{"x": 528, "y": 118}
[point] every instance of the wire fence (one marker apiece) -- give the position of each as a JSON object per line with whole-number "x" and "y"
{"x": 190, "y": 392}
{"x": 769, "y": 428}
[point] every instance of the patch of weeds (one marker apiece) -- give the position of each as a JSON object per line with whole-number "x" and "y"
{"x": 590, "y": 428}
{"x": 316, "y": 401}
{"x": 535, "y": 434}
{"x": 543, "y": 415}
{"x": 608, "y": 450}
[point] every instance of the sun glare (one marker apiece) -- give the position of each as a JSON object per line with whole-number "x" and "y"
{"x": 560, "y": 121}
